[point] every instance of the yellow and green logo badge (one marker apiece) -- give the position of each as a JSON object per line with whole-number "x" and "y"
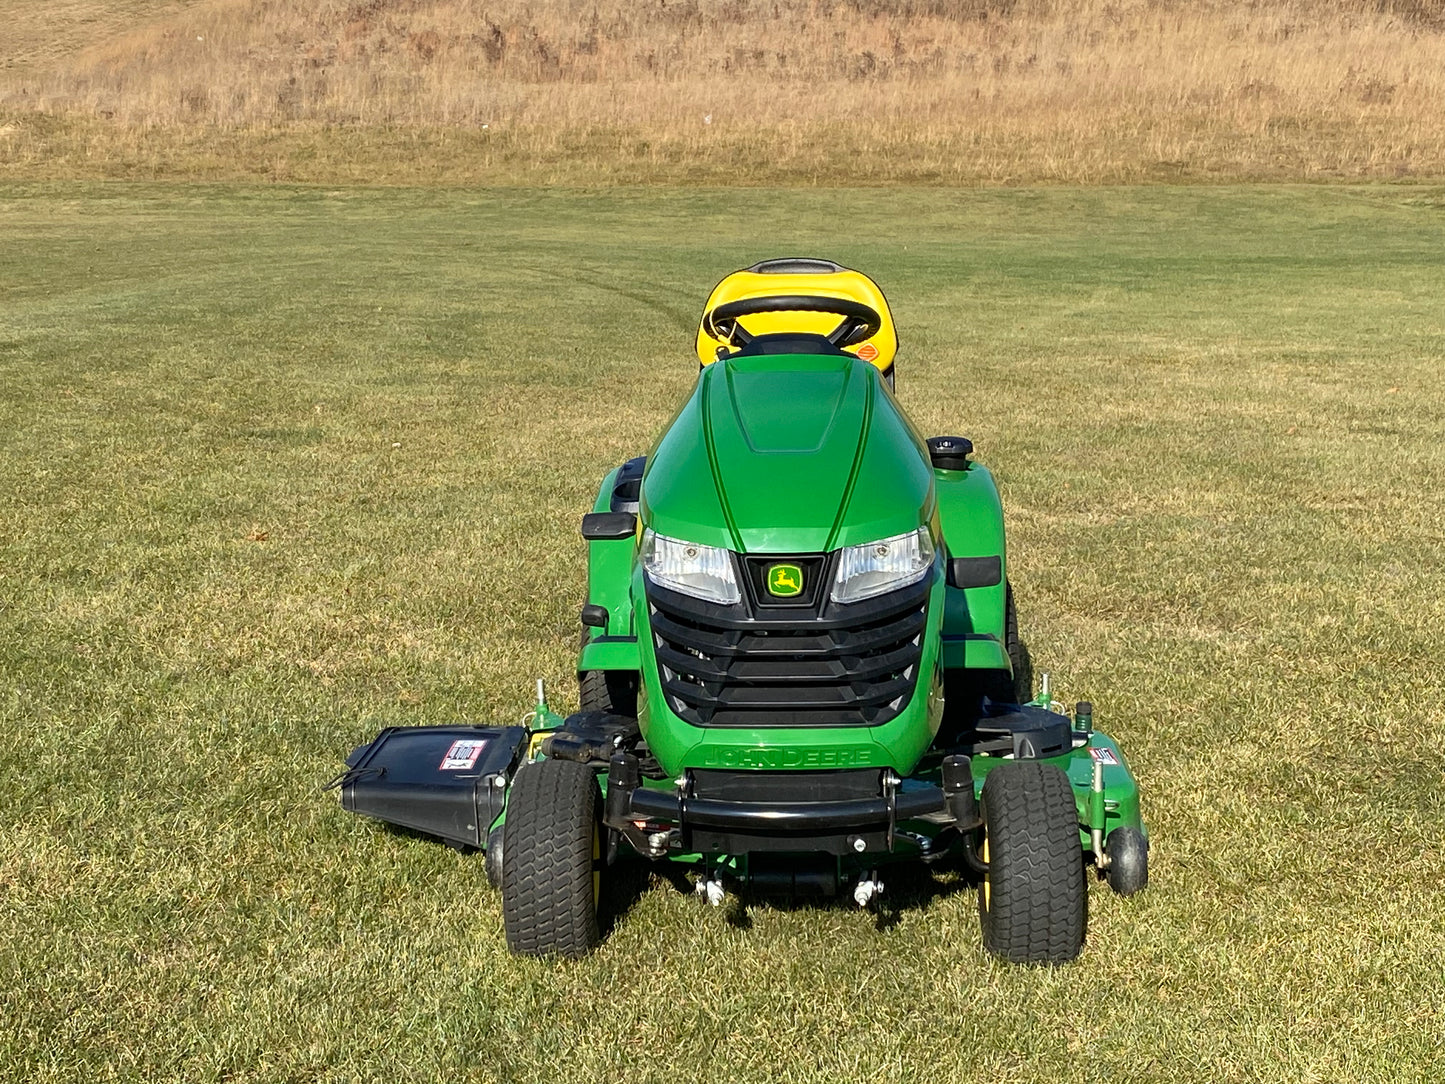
{"x": 785, "y": 581}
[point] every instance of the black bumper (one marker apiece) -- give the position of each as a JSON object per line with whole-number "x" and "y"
{"x": 855, "y": 825}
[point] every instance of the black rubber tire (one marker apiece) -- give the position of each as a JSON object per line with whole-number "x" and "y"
{"x": 1018, "y": 651}
{"x": 552, "y": 843}
{"x": 1033, "y": 903}
{"x": 1128, "y": 854}
{"x": 610, "y": 691}
{"x": 1001, "y": 687}
{"x": 496, "y": 853}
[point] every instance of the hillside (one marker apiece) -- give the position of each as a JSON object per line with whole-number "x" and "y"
{"x": 748, "y": 91}
{"x": 42, "y": 32}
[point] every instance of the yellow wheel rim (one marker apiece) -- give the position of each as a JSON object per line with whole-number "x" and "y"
{"x": 596, "y": 865}
{"x": 987, "y": 886}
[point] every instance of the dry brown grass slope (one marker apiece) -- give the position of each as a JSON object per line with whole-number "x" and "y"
{"x": 34, "y": 33}
{"x": 746, "y": 90}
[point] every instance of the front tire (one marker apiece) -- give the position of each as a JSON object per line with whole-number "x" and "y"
{"x": 1033, "y": 902}
{"x": 553, "y": 859}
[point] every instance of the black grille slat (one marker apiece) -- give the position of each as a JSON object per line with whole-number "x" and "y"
{"x": 864, "y": 640}
{"x": 752, "y": 665}
{"x": 787, "y": 670}
{"x": 782, "y": 787}
{"x": 787, "y": 666}
{"x": 816, "y": 696}
{"x": 688, "y": 638}
{"x": 872, "y": 667}
{"x": 737, "y": 697}
{"x": 704, "y": 669}
{"x": 835, "y": 643}
{"x": 711, "y": 641}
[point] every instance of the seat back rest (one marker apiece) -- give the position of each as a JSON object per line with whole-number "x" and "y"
{"x": 814, "y": 279}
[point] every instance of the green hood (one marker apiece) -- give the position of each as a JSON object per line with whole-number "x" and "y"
{"x": 788, "y": 454}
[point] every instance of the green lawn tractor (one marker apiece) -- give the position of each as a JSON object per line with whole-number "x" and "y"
{"x": 800, "y": 665}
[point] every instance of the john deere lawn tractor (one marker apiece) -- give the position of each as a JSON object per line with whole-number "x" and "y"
{"x": 800, "y": 664}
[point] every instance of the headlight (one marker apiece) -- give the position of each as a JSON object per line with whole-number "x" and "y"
{"x": 882, "y": 566}
{"x": 704, "y": 572}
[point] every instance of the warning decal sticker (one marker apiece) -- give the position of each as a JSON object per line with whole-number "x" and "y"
{"x": 1104, "y": 756}
{"x": 463, "y": 754}
{"x": 868, "y": 351}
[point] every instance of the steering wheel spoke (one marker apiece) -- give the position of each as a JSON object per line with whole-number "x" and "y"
{"x": 731, "y": 331}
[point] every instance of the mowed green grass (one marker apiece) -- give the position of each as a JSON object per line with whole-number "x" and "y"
{"x": 284, "y": 466}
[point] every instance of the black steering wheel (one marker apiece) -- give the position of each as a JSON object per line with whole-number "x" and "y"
{"x": 860, "y": 321}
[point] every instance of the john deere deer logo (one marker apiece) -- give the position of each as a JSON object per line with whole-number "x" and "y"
{"x": 785, "y": 581}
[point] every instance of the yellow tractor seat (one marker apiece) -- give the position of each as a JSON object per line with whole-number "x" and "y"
{"x": 802, "y": 299}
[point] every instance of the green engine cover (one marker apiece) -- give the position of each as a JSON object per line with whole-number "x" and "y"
{"x": 788, "y": 454}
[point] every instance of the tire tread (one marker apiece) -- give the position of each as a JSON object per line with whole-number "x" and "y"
{"x": 1038, "y": 910}
{"x": 547, "y": 900}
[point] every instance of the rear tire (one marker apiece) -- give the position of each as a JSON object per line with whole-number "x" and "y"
{"x": 553, "y": 859}
{"x": 610, "y": 691}
{"x": 1018, "y": 687}
{"x": 1033, "y": 902}
{"x": 1018, "y": 652}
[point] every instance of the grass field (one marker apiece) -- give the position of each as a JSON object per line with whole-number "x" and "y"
{"x": 281, "y": 466}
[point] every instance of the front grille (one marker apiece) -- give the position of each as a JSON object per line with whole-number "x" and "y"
{"x": 755, "y": 665}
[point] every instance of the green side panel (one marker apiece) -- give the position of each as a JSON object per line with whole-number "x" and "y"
{"x": 609, "y": 568}
{"x": 608, "y": 653}
{"x": 897, "y": 744}
{"x": 971, "y": 516}
{"x": 788, "y": 454}
{"x": 609, "y": 584}
{"x": 975, "y": 653}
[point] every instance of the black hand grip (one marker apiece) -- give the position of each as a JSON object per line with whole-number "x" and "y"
{"x": 975, "y": 571}
{"x": 608, "y": 526}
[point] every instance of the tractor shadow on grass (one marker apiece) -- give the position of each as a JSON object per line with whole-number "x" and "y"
{"x": 400, "y": 831}
{"x": 624, "y": 884}
{"x": 907, "y": 887}
{"x": 916, "y": 888}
